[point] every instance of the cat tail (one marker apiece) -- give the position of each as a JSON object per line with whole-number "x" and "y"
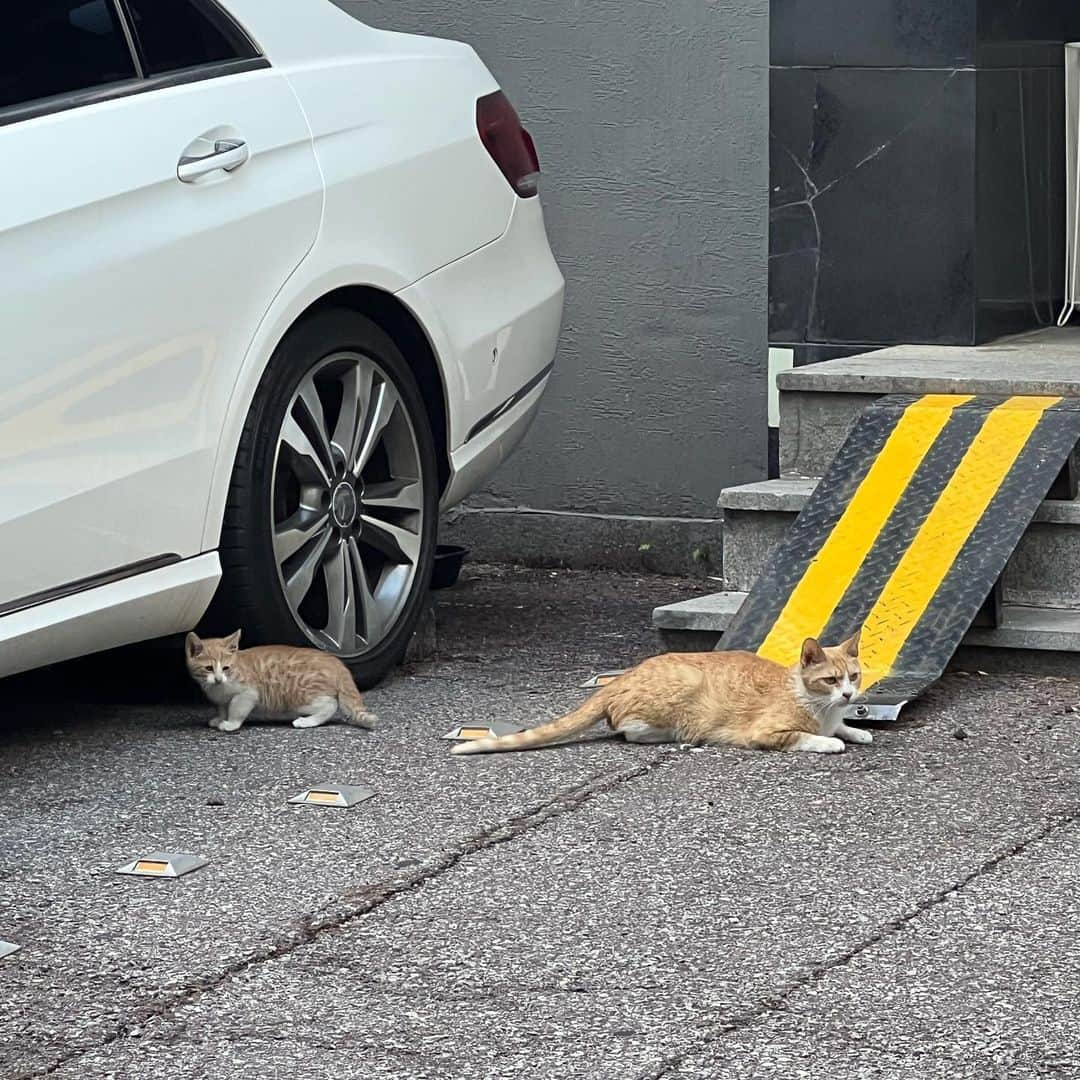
{"x": 581, "y": 719}
{"x": 352, "y": 704}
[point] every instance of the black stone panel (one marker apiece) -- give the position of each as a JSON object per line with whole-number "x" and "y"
{"x": 1020, "y": 199}
{"x": 816, "y": 354}
{"x": 1025, "y": 33}
{"x": 920, "y": 33}
{"x": 876, "y": 168}
{"x": 793, "y": 261}
{"x": 873, "y": 33}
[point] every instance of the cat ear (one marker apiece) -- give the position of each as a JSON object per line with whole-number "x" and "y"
{"x": 812, "y": 653}
{"x": 192, "y": 645}
{"x": 851, "y": 646}
{"x": 232, "y": 642}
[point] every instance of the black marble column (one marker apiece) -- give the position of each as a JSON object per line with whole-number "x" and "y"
{"x": 916, "y": 170}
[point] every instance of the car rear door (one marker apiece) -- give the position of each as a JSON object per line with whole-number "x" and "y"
{"x": 158, "y": 187}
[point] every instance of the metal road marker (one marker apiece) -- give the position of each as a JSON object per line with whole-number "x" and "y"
{"x": 874, "y": 710}
{"x": 7, "y": 948}
{"x": 163, "y": 864}
{"x": 340, "y": 795}
{"x": 601, "y": 679}
{"x": 468, "y": 732}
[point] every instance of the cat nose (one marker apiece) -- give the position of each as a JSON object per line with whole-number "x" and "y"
{"x": 847, "y": 695}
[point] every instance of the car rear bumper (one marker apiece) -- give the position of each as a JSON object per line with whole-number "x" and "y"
{"x": 493, "y": 318}
{"x": 472, "y": 463}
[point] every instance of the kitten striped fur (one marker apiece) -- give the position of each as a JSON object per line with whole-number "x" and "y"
{"x": 274, "y": 682}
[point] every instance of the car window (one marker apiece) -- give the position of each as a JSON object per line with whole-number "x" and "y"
{"x": 177, "y": 34}
{"x": 50, "y": 47}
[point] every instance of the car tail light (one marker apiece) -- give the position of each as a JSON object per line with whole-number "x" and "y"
{"x": 509, "y": 144}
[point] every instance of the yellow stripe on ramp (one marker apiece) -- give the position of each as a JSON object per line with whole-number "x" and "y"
{"x": 828, "y": 577}
{"x": 936, "y": 545}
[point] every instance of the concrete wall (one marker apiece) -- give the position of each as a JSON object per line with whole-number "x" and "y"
{"x": 651, "y": 120}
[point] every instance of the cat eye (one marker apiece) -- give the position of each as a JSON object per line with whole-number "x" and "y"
{"x": 832, "y": 680}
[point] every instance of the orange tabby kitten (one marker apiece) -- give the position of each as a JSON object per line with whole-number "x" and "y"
{"x": 718, "y": 697}
{"x": 274, "y": 682}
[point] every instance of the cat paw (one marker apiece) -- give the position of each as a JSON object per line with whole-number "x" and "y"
{"x": 308, "y": 721}
{"x": 230, "y": 725}
{"x": 819, "y": 744}
{"x": 856, "y": 735}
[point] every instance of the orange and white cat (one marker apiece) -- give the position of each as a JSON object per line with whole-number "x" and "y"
{"x": 273, "y": 682}
{"x": 718, "y": 697}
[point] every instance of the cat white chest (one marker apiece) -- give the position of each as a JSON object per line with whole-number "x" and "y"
{"x": 223, "y": 693}
{"x": 218, "y": 693}
{"x": 832, "y": 719}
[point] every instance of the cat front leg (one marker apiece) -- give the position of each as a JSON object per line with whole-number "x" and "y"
{"x": 853, "y": 734}
{"x": 817, "y": 744}
{"x": 217, "y": 720}
{"x": 239, "y": 709}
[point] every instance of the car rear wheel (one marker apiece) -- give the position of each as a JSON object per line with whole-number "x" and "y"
{"x": 330, "y": 528}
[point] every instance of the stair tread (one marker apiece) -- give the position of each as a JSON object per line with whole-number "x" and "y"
{"x": 1022, "y": 627}
{"x": 789, "y": 494}
{"x": 1037, "y": 362}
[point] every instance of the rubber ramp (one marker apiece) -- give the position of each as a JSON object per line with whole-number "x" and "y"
{"x": 907, "y": 534}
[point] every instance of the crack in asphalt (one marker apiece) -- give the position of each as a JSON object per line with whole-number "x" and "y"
{"x": 360, "y": 902}
{"x": 778, "y": 1001}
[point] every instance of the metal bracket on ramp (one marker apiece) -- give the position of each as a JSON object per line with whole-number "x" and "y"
{"x": 907, "y": 534}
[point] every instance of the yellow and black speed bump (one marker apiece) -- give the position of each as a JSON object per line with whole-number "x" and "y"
{"x": 908, "y": 532}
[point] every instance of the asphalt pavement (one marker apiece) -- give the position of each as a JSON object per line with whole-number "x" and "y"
{"x": 906, "y": 909}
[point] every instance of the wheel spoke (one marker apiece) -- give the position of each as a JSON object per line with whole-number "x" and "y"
{"x": 397, "y": 544}
{"x": 308, "y": 399}
{"x": 384, "y": 400}
{"x": 309, "y": 465}
{"x": 347, "y": 587}
{"x": 365, "y": 598}
{"x": 395, "y": 495}
{"x": 355, "y": 400}
{"x": 341, "y": 599}
{"x": 298, "y": 583}
{"x": 296, "y": 530}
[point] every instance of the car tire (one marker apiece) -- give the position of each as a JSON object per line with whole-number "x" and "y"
{"x": 330, "y": 527}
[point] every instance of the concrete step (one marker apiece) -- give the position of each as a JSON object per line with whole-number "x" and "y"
{"x": 819, "y": 403}
{"x": 701, "y": 622}
{"x": 1044, "y": 571}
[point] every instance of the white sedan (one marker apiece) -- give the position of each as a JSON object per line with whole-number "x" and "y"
{"x": 274, "y": 287}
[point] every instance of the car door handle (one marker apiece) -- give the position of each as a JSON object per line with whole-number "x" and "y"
{"x": 228, "y": 154}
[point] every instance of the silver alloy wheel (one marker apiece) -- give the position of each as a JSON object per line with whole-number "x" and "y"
{"x": 347, "y": 504}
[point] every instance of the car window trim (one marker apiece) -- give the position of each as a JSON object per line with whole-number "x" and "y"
{"x": 210, "y": 10}
{"x": 128, "y": 88}
{"x": 129, "y": 36}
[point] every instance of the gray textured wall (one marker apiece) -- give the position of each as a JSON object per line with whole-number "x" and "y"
{"x": 651, "y": 119}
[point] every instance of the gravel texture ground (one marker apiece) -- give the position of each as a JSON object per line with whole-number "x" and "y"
{"x": 907, "y": 909}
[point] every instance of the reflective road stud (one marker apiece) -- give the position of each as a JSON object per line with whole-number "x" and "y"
{"x": 7, "y": 948}
{"x": 601, "y": 679}
{"x": 341, "y": 795}
{"x": 468, "y": 732}
{"x": 874, "y": 710}
{"x": 163, "y": 864}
